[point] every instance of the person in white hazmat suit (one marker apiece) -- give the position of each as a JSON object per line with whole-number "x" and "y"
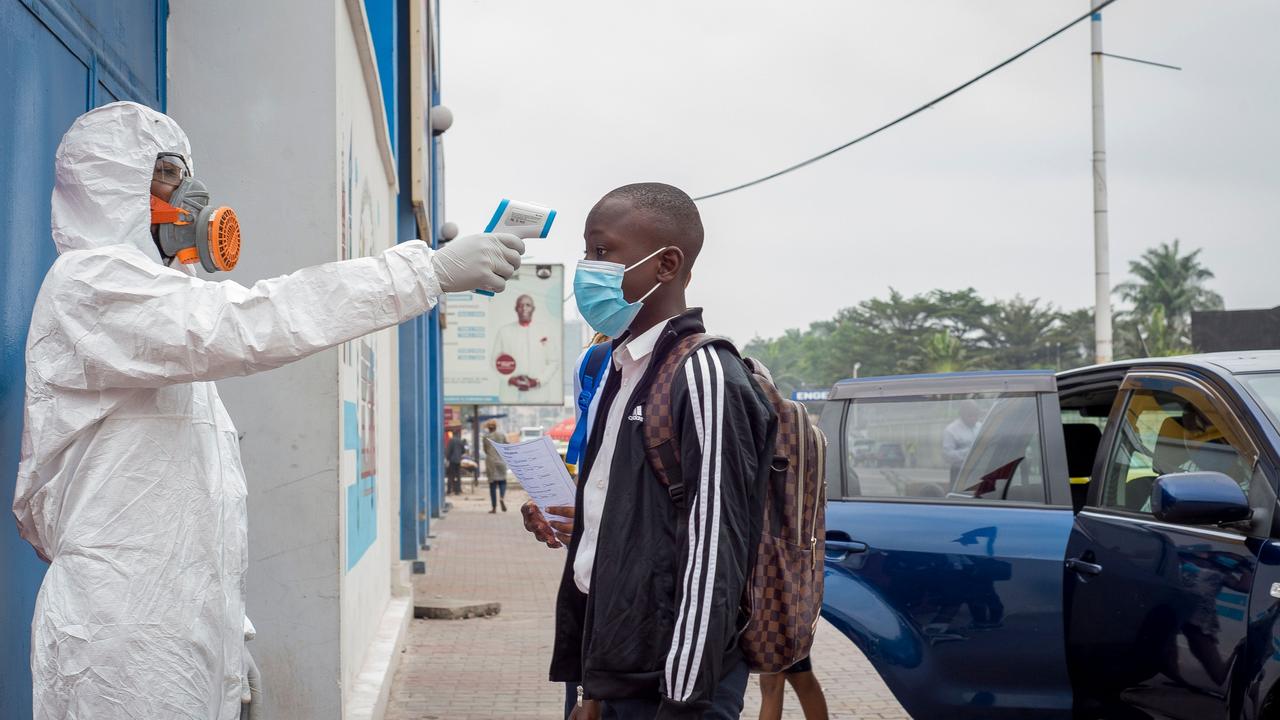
{"x": 130, "y": 483}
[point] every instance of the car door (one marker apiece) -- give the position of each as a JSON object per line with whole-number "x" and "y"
{"x": 1157, "y": 613}
{"x": 945, "y": 568}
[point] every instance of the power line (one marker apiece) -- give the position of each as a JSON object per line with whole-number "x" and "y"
{"x": 913, "y": 113}
{"x": 1139, "y": 60}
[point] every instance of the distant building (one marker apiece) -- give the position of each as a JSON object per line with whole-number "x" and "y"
{"x": 1227, "y": 330}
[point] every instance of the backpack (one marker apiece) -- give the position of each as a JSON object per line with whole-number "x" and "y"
{"x": 783, "y": 597}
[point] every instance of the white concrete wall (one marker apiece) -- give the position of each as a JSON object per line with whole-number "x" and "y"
{"x": 253, "y": 84}
{"x": 275, "y": 99}
{"x": 369, "y": 389}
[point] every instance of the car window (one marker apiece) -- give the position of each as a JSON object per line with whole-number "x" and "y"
{"x": 1082, "y": 434}
{"x": 1075, "y": 416}
{"x": 957, "y": 447}
{"x": 1169, "y": 432}
{"x": 1265, "y": 388}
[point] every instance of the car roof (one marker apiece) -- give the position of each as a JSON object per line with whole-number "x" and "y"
{"x": 944, "y": 383}
{"x": 1235, "y": 362}
{"x": 1244, "y": 362}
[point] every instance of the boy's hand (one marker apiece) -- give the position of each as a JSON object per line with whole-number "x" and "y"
{"x": 555, "y": 534}
{"x": 563, "y": 528}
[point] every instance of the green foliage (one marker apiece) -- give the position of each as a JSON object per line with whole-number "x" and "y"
{"x": 1022, "y": 334}
{"x": 954, "y": 330}
{"x": 1168, "y": 286}
{"x": 942, "y": 352}
{"x": 1155, "y": 335}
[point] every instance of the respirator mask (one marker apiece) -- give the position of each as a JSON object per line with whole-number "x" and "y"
{"x": 190, "y": 229}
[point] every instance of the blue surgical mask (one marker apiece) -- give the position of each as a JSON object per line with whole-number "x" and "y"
{"x": 597, "y": 285}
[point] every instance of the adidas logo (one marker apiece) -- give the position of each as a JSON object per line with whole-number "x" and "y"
{"x": 637, "y": 415}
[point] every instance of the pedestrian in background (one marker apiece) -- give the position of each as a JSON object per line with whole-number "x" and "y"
{"x": 959, "y": 436}
{"x": 495, "y": 468}
{"x": 453, "y": 469}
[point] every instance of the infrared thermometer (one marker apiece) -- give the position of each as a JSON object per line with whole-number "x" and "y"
{"x": 525, "y": 220}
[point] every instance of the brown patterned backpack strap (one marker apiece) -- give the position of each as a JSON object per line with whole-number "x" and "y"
{"x": 661, "y": 437}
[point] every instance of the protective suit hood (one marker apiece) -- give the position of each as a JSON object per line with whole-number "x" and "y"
{"x": 102, "y": 186}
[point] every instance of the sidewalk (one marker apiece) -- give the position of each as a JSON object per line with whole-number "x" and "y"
{"x": 496, "y": 668}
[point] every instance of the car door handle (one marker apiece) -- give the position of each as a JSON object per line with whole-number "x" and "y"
{"x": 1084, "y": 568}
{"x": 839, "y": 550}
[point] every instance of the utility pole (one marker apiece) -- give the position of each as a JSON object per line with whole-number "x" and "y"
{"x": 1101, "y": 241}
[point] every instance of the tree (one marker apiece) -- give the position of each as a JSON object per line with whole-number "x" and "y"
{"x": 1155, "y": 336}
{"x": 962, "y": 313}
{"x": 1078, "y": 339}
{"x": 1022, "y": 334}
{"x": 884, "y": 335}
{"x": 784, "y": 356}
{"x": 1166, "y": 278}
{"x": 950, "y": 330}
{"x": 942, "y": 352}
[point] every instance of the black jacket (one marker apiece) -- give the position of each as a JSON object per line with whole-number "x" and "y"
{"x": 664, "y": 612}
{"x": 454, "y": 451}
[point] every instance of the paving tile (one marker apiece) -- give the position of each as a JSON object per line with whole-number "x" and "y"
{"x": 496, "y": 667}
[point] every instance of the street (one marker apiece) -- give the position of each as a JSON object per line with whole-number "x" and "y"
{"x": 487, "y": 668}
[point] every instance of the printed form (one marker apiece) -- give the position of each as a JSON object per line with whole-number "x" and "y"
{"x": 541, "y": 471}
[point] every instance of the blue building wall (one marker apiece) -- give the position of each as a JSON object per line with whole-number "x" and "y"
{"x": 421, "y": 398}
{"x": 412, "y": 388}
{"x": 59, "y": 58}
{"x": 386, "y": 17}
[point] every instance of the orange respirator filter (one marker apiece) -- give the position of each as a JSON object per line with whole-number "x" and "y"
{"x": 192, "y": 231}
{"x": 224, "y": 238}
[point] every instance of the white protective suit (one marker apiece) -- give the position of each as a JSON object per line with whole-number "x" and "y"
{"x": 130, "y": 481}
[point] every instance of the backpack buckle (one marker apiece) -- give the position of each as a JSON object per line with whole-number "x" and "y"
{"x": 676, "y": 491}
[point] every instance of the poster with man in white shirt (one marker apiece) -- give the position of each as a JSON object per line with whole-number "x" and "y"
{"x": 526, "y": 354}
{"x": 500, "y": 351}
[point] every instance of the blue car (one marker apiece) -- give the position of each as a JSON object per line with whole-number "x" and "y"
{"x": 1101, "y": 543}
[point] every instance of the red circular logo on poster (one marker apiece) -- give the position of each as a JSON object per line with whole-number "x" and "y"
{"x": 505, "y": 364}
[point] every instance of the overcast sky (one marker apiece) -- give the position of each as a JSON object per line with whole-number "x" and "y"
{"x": 559, "y": 101}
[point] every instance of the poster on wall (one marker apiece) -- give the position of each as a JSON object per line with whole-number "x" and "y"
{"x": 363, "y": 232}
{"x": 507, "y": 349}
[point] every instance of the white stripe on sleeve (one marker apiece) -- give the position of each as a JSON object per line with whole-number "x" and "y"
{"x": 699, "y": 581}
{"x": 678, "y": 631}
{"x": 713, "y": 529}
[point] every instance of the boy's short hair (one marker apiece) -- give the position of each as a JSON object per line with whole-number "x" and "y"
{"x": 672, "y": 207}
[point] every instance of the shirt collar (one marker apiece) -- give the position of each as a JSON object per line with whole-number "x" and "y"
{"x": 637, "y": 349}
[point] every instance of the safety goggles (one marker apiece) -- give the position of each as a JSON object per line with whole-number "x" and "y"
{"x": 170, "y": 169}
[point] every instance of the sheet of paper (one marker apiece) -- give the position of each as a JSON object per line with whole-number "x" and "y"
{"x": 541, "y": 471}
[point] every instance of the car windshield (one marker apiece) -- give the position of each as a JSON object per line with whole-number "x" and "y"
{"x": 1265, "y": 388}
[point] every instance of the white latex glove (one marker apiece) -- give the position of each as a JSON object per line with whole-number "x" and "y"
{"x": 478, "y": 262}
{"x": 251, "y": 692}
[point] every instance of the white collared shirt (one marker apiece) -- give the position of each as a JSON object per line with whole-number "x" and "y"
{"x": 632, "y": 360}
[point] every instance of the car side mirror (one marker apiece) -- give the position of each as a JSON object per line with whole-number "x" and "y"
{"x": 1199, "y": 498}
